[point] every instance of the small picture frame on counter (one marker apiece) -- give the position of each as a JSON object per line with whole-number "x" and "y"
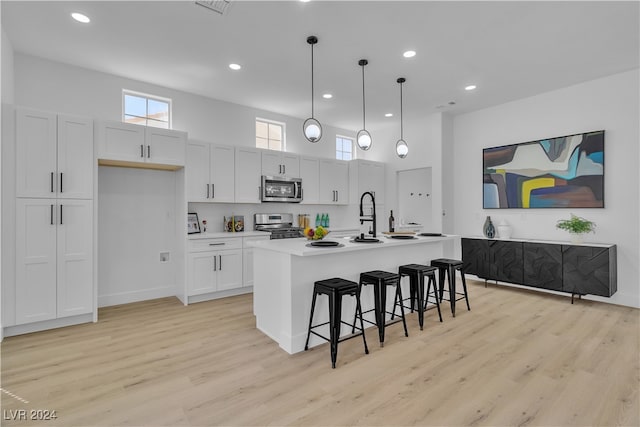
{"x": 193, "y": 225}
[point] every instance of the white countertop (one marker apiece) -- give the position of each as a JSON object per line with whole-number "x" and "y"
{"x": 299, "y": 246}
{"x": 552, "y": 242}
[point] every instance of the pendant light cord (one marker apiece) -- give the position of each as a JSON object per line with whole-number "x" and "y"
{"x": 312, "y": 116}
{"x": 364, "y": 115}
{"x": 401, "y": 127}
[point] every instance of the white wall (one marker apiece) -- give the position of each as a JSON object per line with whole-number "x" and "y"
{"x": 6, "y": 68}
{"x": 610, "y": 103}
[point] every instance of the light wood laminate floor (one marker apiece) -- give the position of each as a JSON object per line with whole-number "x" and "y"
{"x": 518, "y": 358}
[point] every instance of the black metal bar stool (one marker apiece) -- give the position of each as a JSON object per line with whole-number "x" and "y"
{"x": 380, "y": 280}
{"x": 335, "y": 289}
{"x": 449, "y": 266}
{"x": 417, "y": 273}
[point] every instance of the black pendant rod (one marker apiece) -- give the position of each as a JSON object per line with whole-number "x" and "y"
{"x": 312, "y": 40}
{"x": 362, "y": 63}
{"x": 401, "y": 80}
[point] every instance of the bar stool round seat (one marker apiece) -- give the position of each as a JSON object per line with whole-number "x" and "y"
{"x": 417, "y": 273}
{"x": 448, "y": 267}
{"x": 380, "y": 280}
{"x": 335, "y": 289}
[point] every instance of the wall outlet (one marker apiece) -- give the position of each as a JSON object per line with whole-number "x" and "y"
{"x": 164, "y": 256}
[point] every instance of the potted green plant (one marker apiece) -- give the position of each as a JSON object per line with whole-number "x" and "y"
{"x": 577, "y": 227}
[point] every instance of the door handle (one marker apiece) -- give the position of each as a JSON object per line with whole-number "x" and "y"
{"x": 216, "y": 244}
{"x": 215, "y": 263}
{"x": 207, "y": 191}
{"x": 51, "y": 214}
{"x": 284, "y": 169}
{"x": 213, "y": 191}
{"x": 337, "y": 195}
{"x": 60, "y": 214}
{"x": 220, "y": 262}
{"x": 148, "y": 151}
{"x": 142, "y": 150}
{"x": 51, "y": 179}
{"x": 280, "y": 169}
{"x": 61, "y": 182}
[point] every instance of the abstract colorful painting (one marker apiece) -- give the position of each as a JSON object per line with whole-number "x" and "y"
{"x": 563, "y": 172}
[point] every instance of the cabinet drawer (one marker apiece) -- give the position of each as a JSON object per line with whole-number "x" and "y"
{"x": 202, "y": 245}
{"x": 247, "y": 240}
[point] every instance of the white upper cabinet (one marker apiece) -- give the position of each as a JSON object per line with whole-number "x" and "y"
{"x": 278, "y": 163}
{"x": 210, "y": 173}
{"x": 248, "y": 171}
{"x": 310, "y": 174}
{"x": 121, "y": 141}
{"x": 54, "y": 155}
{"x": 222, "y": 173}
{"x": 334, "y": 182}
{"x": 367, "y": 176}
{"x": 129, "y": 143}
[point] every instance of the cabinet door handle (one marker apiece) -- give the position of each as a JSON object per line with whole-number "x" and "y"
{"x": 207, "y": 191}
{"x": 51, "y": 214}
{"x": 280, "y": 169}
{"x": 51, "y": 179}
{"x": 60, "y": 214}
{"x": 61, "y": 182}
{"x": 148, "y": 151}
{"x": 215, "y": 263}
{"x": 142, "y": 150}
{"x": 337, "y": 195}
{"x": 220, "y": 262}
{"x": 216, "y": 244}
{"x": 284, "y": 169}
{"x": 213, "y": 191}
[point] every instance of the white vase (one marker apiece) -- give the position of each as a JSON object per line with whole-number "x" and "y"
{"x": 504, "y": 230}
{"x": 577, "y": 238}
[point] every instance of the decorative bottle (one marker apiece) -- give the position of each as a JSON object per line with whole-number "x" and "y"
{"x": 392, "y": 223}
{"x": 489, "y": 230}
{"x": 317, "y": 220}
{"x": 326, "y": 223}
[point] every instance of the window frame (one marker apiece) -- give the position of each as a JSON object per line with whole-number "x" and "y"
{"x": 353, "y": 151}
{"x": 148, "y": 97}
{"x": 283, "y": 140}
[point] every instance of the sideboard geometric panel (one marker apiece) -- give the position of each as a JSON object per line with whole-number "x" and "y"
{"x": 576, "y": 269}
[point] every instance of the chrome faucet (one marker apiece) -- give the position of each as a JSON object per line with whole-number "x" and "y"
{"x": 371, "y": 218}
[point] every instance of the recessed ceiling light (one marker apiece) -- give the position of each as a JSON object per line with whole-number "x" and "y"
{"x": 470, "y": 87}
{"x": 234, "y": 66}
{"x": 389, "y": 115}
{"x": 80, "y": 17}
{"x": 327, "y": 96}
{"x": 409, "y": 54}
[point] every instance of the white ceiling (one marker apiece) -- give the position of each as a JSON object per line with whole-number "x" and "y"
{"x": 510, "y": 50}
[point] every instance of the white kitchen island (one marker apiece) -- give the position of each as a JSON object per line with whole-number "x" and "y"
{"x": 285, "y": 271}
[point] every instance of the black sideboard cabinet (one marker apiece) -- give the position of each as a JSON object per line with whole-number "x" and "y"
{"x": 576, "y": 269}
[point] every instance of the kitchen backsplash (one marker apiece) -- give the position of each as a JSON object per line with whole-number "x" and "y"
{"x": 214, "y": 213}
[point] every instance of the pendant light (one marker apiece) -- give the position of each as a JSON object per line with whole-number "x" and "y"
{"x": 401, "y": 146}
{"x": 363, "y": 137}
{"x": 311, "y": 127}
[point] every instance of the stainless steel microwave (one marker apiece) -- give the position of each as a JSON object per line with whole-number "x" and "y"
{"x": 281, "y": 189}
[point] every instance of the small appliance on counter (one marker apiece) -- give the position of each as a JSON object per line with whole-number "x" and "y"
{"x": 279, "y": 225}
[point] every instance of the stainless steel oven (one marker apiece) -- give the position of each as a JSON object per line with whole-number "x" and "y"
{"x": 281, "y": 189}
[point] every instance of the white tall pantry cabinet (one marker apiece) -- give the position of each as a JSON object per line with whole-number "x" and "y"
{"x": 54, "y": 247}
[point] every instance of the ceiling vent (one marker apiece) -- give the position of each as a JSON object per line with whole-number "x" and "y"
{"x": 219, "y": 6}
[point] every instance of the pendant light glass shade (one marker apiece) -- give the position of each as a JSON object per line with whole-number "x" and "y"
{"x": 311, "y": 127}
{"x": 363, "y": 139}
{"x": 402, "y": 149}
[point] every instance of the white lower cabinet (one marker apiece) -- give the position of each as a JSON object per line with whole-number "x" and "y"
{"x": 54, "y": 259}
{"x": 214, "y": 265}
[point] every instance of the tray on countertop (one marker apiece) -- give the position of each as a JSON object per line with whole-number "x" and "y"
{"x": 402, "y": 236}
{"x": 431, "y": 234}
{"x": 324, "y": 244}
{"x": 399, "y": 233}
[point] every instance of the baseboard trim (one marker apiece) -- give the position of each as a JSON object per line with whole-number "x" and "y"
{"x": 11, "y": 331}
{"x": 221, "y": 294}
{"x": 136, "y": 296}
